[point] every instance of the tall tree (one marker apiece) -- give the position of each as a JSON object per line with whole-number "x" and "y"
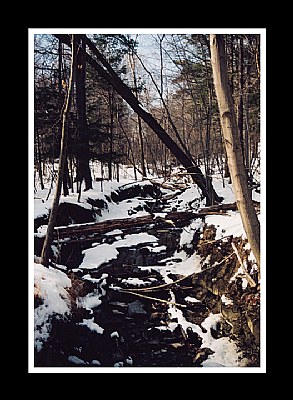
{"x": 83, "y": 169}
{"x": 62, "y": 159}
{"x": 132, "y": 66}
{"x": 232, "y": 142}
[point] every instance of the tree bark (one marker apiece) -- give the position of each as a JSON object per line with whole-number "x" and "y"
{"x": 249, "y": 218}
{"x": 241, "y": 94}
{"x": 142, "y": 157}
{"x": 46, "y": 250}
{"x": 39, "y": 159}
{"x": 62, "y": 98}
{"x": 107, "y": 73}
{"x": 83, "y": 169}
{"x": 111, "y": 134}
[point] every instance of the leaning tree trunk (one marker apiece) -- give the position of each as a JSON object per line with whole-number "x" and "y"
{"x": 233, "y": 145}
{"x": 62, "y": 159}
{"x": 107, "y": 72}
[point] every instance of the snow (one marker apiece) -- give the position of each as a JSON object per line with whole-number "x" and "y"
{"x": 187, "y": 266}
{"x": 92, "y": 325}
{"x": 125, "y": 209}
{"x": 225, "y": 351}
{"x": 91, "y": 300}
{"x": 228, "y": 224}
{"x": 41, "y": 231}
{"x": 115, "y": 232}
{"x": 160, "y": 215}
{"x": 189, "y": 195}
{"x": 188, "y": 232}
{"x": 98, "y": 255}
{"x": 136, "y": 281}
{"x": 50, "y": 286}
{"x": 226, "y": 301}
{"x": 42, "y": 206}
{"x": 94, "y": 280}
{"x": 191, "y": 299}
{"x": 157, "y": 249}
{"x": 135, "y": 239}
{"x": 103, "y": 253}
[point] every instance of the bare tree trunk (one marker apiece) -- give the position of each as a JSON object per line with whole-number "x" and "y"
{"x": 132, "y": 159}
{"x": 62, "y": 98}
{"x": 62, "y": 159}
{"x": 111, "y": 134}
{"x": 83, "y": 169}
{"x": 39, "y": 159}
{"x": 233, "y": 146}
{"x": 241, "y": 94}
{"x": 132, "y": 64}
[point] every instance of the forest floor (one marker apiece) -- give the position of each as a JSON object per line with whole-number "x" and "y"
{"x": 170, "y": 292}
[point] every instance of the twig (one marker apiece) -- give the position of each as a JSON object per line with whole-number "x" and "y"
{"x": 153, "y": 298}
{"x": 214, "y": 240}
{"x": 248, "y": 277}
{"x": 165, "y": 285}
{"x": 153, "y": 288}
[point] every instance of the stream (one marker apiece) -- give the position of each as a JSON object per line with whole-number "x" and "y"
{"x": 143, "y": 307}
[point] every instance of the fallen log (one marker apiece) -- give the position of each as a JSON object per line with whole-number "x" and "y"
{"x": 123, "y": 223}
{"x": 169, "y": 220}
{"x": 225, "y": 207}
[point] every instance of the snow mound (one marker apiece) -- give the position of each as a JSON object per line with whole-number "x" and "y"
{"x": 50, "y": 290}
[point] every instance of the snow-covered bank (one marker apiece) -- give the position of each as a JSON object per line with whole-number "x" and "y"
{"x": 50, "y": 292}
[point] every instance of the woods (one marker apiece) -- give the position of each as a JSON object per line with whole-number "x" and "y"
{"x": 147, "y": 162}
{"x": 100, "y": 119}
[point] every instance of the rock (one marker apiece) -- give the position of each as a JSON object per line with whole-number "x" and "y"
{"x": 69, "y": 213}
{"x": 198, "y": 313}
{"x": 213, "y": 301}
{"x": 177, "y": 345}
{"x": 136, "y": 308}
{"x": 96, "y": 363}
{"x": 230, "y": 312}
{"x": 117, "y": 312}
{"x": 254, "y": 326}
{"x": 157, "y": 316}
{"x": 202, "y": 355}
{"x": 216, "y": 332}
{"x": 76, "y": 360}
{"x": 222, "y": 329}
{"x": 118, "y": 364}
{"x": 129, "y": 361}
{"x": 193, "y": 337}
